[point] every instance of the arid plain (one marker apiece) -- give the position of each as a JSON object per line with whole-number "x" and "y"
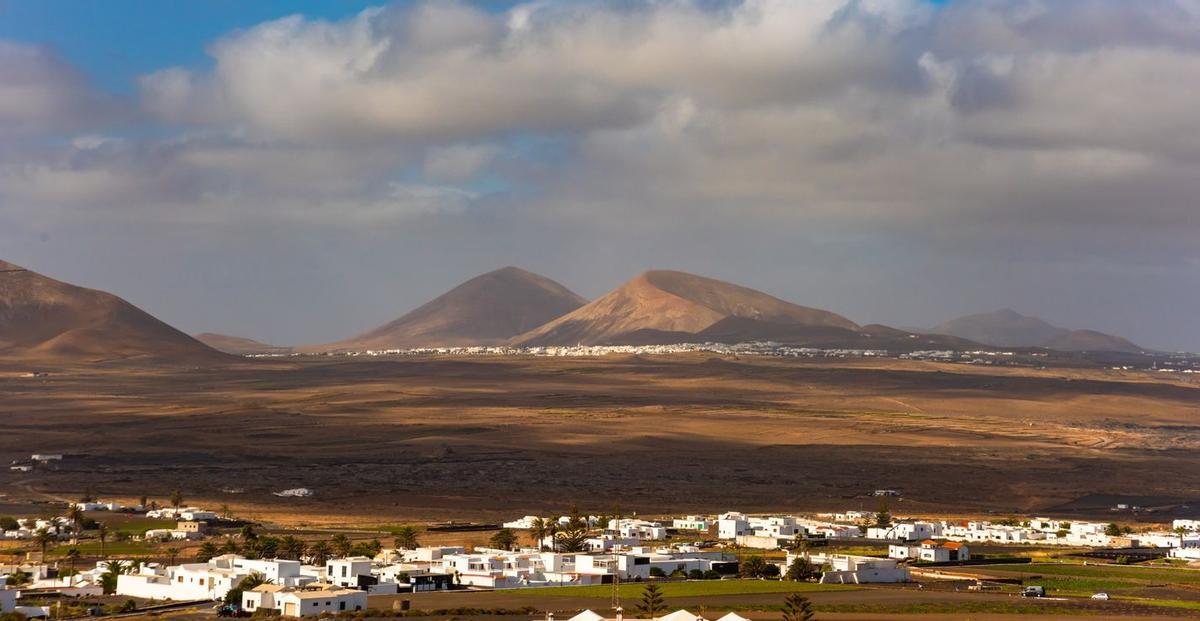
{"x": 479, "y": 438}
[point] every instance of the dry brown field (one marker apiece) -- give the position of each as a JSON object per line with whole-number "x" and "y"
{"x": 400, "y": 439}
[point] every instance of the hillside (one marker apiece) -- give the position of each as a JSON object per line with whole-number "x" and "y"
{"x": 660, "y": 305}
{"x": 486, "y": 310}
{"x": 45, "y": 319}
{"x": 1008, "y": 328}
{"x": 238, "y": 345}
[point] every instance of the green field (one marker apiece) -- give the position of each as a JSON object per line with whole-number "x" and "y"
{"x": 1120, "y": 581}
{"x": 137, "y": 526}
{"x": 1125, "y": 572}
{"x": 111, "y": 548}
{"x": 691, "y": 588}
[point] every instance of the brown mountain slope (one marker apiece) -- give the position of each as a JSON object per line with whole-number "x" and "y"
{"x": 486, "y": 310}
{"x": 45, "y": 319}
{"x": 1003, "y": 328}
{"x": 238, "y": 345}
{"x": 1090, "y": 340}
{"x": 1008, "y": 328}
{"x": 660, "y": 302}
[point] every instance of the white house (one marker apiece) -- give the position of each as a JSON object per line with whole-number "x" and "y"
{"x": 524, "y": 523}
{"x": 211, "y": 580}
{"x": 692, "y": 522}
{"x": 731, "y": 525}
{"x": 637, "y": 529}
{"x": 930, "y": 551}
{"x": 344, "y": 572}
{"x": 848, "y": 569}
{"x": 297, "y": 603}
{"x": 906, "y": 531}
{"x": 1188, "y": 525}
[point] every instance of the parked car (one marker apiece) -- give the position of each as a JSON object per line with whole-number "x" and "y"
{"x": 1103, "y": 596}
{"x": 1033, "y": 591}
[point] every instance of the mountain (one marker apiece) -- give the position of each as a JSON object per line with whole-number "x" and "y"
{"x": 239, "y": 346}
{"x": 486, "y": 310}
{"x": 1008, "y": 328}
{"x": 668, "y": 306}
{"x": 45, "y": 319}
{"x": 1090, "y": 340}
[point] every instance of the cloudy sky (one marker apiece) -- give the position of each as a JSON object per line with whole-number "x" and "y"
{"x": 300, "y": 177}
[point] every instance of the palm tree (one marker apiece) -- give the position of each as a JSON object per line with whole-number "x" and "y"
{"x": 142, "y": 502}
{"x": 177, "y": 499}
{"x": 406, "y": 538}
{"x": 248, "y": 532}
{"x": 172, "y": 554}
{"x": 43, "y": 537}
{"x": 341, "y": 544}
{"x": 652, "y": 602}
{"x": 291, "y": 548}
{"x": 108, "y": 580}
{"x": 319, "y": 552}
{"x": 504, "y": 539}
{"x": 73, "y": 555}
{"x": 539, "y": 529}
{"x": 797, "y": 608}
{"x": 226, "y": 512}
{"x": 75, "y": 514}
{"x": 230, "y": 546}
{"x": 1181, "y": 531}
{"x": 207, "y": 551}
{"x": 102, "y": 535}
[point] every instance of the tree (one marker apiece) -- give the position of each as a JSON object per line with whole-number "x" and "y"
{"x": 72, "y": 556}
{"x": 802, "y": 569}
{"x": 1181, "y": 531}
{"x": 1113, "y": 530}
{"x": 176, "y": 498}
{"x": 504, "y": 539}
{"x": 341, "y": 544}
{"x": 539, "y": 529}
{"x": 234, "y": 595}
{"x": 108, "y": 580}
{"x": 102, "y": 535}
{"x": 230, "y": 546}
{"x": 883, "y": 518}
{"x": 797, "y": 608}
{"x": 652, "y": 602}
{"x": 207, "y": 551}
{"x": 248, "y": 532}
{"x": 406, "y": 538}
{"x": 142, "y": 501}
{"x": 172, "y": 554}
{"x": 8, "y": 522}
{"x": 291, "y": 548}
{"x": 753, "y": 567}
{"x": 226, "y": 512}
{"x": 573, "y": 536}
{"x": 319, "y": 552}
{"x": 75, "y": 514}
{"x": 43, "y": 537}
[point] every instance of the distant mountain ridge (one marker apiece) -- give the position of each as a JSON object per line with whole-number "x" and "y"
{"x": 670, "y": 304}
{"x": 45, "y": 319}
{"x": 239, "y": 345}
{"x": 1008, "y": 328}
{"x": 488, "y": 309}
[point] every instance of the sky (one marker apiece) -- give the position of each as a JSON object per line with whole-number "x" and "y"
{"x": 299, "y": 172}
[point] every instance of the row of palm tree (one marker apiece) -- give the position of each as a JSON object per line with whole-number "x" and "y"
{"x": 652, "y": 604}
